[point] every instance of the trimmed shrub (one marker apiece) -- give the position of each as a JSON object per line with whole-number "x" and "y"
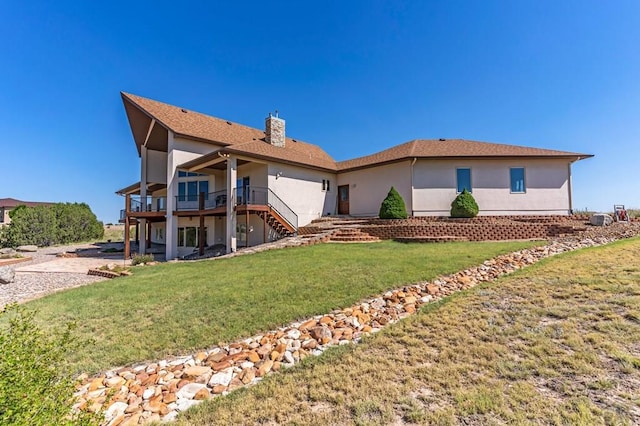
{"x": 35, "y": 389}
{"x": 464, "y": 205}
{"x": 393, "y": 206}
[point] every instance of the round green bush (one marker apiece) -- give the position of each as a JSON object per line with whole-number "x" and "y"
{"x": 393, "y": 206}
{"x": 464, "y": 205}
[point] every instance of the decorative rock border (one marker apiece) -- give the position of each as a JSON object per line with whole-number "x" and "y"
{"x": 159, "y": 390}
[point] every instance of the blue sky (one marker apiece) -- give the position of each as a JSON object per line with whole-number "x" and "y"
{"x": 354, "y": 77}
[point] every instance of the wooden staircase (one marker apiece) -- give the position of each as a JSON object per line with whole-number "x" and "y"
{"x": 277, "y": 223}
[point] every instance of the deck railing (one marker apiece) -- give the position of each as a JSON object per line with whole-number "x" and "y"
{"x": 149, "y": 203}
{"x": 211, "y": 200}
{"x": 244, "y": 196}
{"x": 265, "y": 196}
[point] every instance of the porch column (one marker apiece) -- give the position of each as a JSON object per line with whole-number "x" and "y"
{"x": 171, "y": 227}
{"x": 232, "y": 176}
{"x": 142, "y": 248}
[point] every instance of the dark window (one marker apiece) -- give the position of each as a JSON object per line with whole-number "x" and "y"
{"x": 463, "y": 178}
{"x": 517, "y": 179}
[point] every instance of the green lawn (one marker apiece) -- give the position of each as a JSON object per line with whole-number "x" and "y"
{"x": 555, "y": 343}
{"x": 177, "y": 308}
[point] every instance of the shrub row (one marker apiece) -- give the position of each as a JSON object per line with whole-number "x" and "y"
{"x": 60, "y": 223}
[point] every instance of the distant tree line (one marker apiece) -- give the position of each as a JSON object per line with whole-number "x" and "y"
{"x": 60, "y": 223}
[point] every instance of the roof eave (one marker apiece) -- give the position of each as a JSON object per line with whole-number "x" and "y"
{"x": 569, "y": 156}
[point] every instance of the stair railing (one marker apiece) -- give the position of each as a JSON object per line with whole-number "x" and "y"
{"x": 265, "y": 196}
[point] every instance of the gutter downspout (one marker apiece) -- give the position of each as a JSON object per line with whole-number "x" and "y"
{"x": 412, "y": 189}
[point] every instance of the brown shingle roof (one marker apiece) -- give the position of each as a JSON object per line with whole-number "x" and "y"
{"x": 12, "y": 202}
{"x": 453, "y": 148}
{"x": 184, "y": 122}
{"x": 249, "y": 141}
{"x": 239, "y": 138}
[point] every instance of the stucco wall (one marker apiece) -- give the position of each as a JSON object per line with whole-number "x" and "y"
{"x": 156, "y": 166}
{"x": 547, "y": 190}
{"x": 179, "y": 151}
{"x": 257, "y": 173}
{"x": 301, "y": 190}
{"x": 369, "y": 187}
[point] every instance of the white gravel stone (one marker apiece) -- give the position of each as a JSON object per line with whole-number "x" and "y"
{"x": 185, "y": 404}
{"x": 189, "y": 391}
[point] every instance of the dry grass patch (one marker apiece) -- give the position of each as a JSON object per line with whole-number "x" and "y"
{"x": 558, "y": 343}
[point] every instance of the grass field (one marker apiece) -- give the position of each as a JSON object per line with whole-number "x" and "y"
{"x": 556, "y": 343}
{"x": 114, "y": 232}
{"x": 176, "y": 308}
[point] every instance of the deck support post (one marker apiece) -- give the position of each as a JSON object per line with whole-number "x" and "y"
{"x": 148, "y": 242}
{"x": 127, "y": 225}
{"x": 201, "y": 241}
{"x": 264, "y": 228}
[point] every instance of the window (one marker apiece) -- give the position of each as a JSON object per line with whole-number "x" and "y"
{"x": 241, "y": 232}
{"x": 189, "y": 190}
{"x": 242, "y": 189}
{"x": 188, "y": 236}
{"x": 517, "y": 179}
{"x": 189, "y": 174}
{"x": 463, "y": 179}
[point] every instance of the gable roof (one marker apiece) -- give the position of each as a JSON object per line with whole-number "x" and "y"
{"x": 12, "y": 202}
{"x": 239, "y": 138}
{"x": 453, "y": 148}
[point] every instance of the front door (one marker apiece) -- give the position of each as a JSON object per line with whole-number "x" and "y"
{"x": 242, "y": 188}
{"x": 343, "y": 199}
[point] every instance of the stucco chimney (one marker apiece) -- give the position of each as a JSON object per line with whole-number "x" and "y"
{"x": 274, "y": 129}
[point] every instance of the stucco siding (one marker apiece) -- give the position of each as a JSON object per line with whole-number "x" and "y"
{"x": 301, "y": 189}
{"x": 256, "y": 172}
{"x": 369, "y": 187}
{"x": 156, "y": 166}
{"x": 546, "y": 183}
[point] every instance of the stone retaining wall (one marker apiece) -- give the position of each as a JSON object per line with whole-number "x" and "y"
{"x": 481, "y": 228}
{"x": 471, "y": 231}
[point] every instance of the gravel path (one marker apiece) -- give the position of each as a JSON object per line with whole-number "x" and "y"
{"x": 31, "y": 285}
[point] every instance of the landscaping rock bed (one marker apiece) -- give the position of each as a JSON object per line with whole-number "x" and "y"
{"x": 160, "y": 390}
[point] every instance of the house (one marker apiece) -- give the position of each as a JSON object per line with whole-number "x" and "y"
{"x": 8, "y": 204}
{"x": 207, "y": 181}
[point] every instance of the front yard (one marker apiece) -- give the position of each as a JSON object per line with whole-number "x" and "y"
{"x": 172, "y": 309}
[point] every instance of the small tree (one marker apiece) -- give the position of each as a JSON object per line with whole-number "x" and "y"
{"x": 35, "y": 388}
{"x": 393, "y": 206}
{"x": 464, "y": 205}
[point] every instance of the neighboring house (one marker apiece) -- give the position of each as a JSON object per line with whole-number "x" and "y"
{"x": 207, "y": 181}
{"x": 8, "y": 204}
